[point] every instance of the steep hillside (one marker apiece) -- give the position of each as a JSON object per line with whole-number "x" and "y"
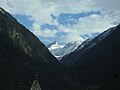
{"x": 98, "y": 63}
{"x": 22, "y": 56}
{"x": 24, "y": 39}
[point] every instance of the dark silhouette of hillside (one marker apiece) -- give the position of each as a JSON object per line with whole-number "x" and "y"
{"x": 99, "y": 64}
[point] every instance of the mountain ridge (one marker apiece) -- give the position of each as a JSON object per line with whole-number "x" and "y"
{"x": 60, "y": 51}
{"x": 98, "y": 65}
{"x": 19, "y": 37}
{"x": 88, "y": 44}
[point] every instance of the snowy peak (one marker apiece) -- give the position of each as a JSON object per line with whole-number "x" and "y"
{"x": 83, "y": 44}
{"x": 68, "y": 48}
{"x": 74, "y": 43}
{"x": 71, "y": 46}
{"x": 61, "y": 50}
{"x": 53, "y": 45}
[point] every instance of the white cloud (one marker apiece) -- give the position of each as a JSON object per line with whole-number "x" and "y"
{"x": 95, "y": 23}
{"x": 69, "y": 38}
{"x": 92, "y": 23}
{"x": 40, "y": 12}
{"x": 43, "y": 33}
{"x": 112, "y": 5}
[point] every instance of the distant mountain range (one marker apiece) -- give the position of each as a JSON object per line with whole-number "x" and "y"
{"x": 54, "y": 47}
{"x": 60, "y": 51}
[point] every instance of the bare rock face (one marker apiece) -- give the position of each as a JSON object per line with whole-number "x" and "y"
{"x": 35, "y": 85}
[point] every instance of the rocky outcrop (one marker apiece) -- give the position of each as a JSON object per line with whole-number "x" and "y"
{"x": 35, "y": 85}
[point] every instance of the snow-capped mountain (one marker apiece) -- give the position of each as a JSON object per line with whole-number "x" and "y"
{"x": 87, "y": 38}
{"x": 83, "y": 44}
{"x": 68, "y": 48}
{"x": 61, "y": 50}
{"x": 54, "y": 47}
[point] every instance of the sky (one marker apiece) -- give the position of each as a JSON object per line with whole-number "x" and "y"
{"x": 64, "y": 20}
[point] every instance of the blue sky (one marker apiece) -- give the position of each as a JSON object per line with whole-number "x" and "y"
{"x": 24, "y": 21}
{"x": 64, "y": 20}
